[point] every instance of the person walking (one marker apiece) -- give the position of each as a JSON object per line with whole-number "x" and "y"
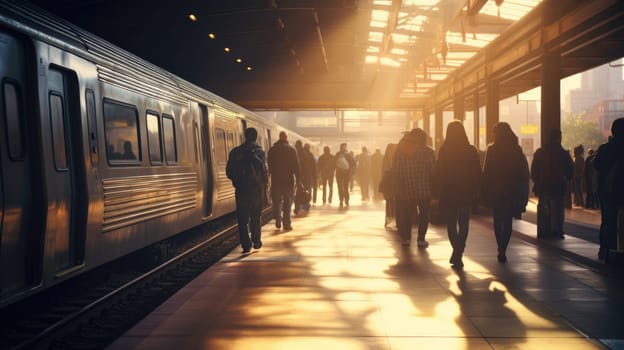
{"x": 609, "y": 162}
{"x": 247, "y": 168}
{"x": 364, "y": 173}
{"x": 284, "y": 170}
{"x": 458, "y": 174}
{"x": 389, "y": 193}
{"x": 326, "y": 168}
{"x": 414, "y": 167}
{"x": 591, "y": 181}
{"x": 376, "y": 171}
{"x": 551, "y": 170}
{"x": 345, "y": 165}
{"x": 579, "y": 169}
{"x": 505, "y": 184}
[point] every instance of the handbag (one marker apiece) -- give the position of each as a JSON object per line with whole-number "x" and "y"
{"x": 388, "y": 183}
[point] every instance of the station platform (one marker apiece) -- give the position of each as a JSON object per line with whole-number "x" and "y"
{"x": 340, "y": 280}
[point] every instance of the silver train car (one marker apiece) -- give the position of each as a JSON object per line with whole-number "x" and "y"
{"x": 101, "y": 153}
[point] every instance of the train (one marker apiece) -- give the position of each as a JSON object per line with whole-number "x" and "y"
{"x": 101, "y": 152}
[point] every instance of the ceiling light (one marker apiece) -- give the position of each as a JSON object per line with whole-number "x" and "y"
{"x": 212, "y": 35}
{"x": 239, "y": 60}
{"x": 248, "y": 67}
{"x": 192, "y": 17}
{"x": 226, "y": 49}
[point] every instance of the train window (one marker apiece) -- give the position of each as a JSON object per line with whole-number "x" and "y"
{"x": 154, "y": 138}
{"x": 91, "y": 120}
{"x": 122, "y": 133}
{"x": 171, "y": 154}
{"x": 220, "y": 146}
{"x": 58, "y": 131}
{"x": 12, "y": 112}
{"x": 230, "y": 141}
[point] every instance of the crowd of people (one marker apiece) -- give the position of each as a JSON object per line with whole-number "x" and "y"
{"x": 410, "y": 173}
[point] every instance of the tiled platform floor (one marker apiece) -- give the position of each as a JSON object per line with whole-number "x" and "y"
{"x": 339, "y": 280}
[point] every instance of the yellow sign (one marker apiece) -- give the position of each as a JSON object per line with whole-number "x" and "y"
{"x": 530, "y": 129}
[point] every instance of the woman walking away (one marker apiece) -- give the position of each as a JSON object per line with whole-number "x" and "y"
{"x": 458, "y": 174}
{"x": 505, "y": 183}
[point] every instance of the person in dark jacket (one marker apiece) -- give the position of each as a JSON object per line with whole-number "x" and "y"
{"x": 551, "y": 170}
{"x": 376, "y": 170}
{"x": 458, "y": 176}
{"x": 249, "y": 194}
{"x": 389, "y": 195}
{"x": 579, "y": 169}
{"x": 311, "y": 166}
{"x": 284, "y": 171}
{"x": 505, "y": 183}
{"x": 414, "y": 167}
{"x": 364, "y": 172}
{"x": 326, "y": 167}
{"x": 609, "y": 162}
{"x": 591, "y": 181}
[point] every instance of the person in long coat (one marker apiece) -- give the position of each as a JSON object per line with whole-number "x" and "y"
{"x": 505, "y": 184}
{"x": 388, "y": 196}
{"x": 458, "y": 176}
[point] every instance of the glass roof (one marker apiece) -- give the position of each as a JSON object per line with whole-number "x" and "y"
{"x": 428, "y": 39}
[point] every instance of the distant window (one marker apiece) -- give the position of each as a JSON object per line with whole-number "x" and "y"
{"x": 230, "y": 141}
{"x": 58, "y": 131}
{"x": 122, "y": 133}
{"x": 171, "y": 154}
{"x": 154, "y": 138}
{"x": 220, "y": 146}
{"x": 12, "y": 111}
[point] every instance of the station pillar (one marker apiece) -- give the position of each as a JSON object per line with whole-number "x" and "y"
{"x": 491, "y": 110}
{"x": 439, "y": 133}
{"x": 459, "y": 112}
{"x": 551, "y": 96}
{"x": 477, "y": 125}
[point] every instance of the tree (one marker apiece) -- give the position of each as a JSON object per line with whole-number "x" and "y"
{"x": 576, "y": 131}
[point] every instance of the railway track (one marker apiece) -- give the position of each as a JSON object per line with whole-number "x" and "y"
{"x": 93, "y": 312}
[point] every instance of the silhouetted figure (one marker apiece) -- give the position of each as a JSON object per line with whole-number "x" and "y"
{"x": 579, "y": 169}
{"x": 128, "y": 153}
{"x": 389, "y": 195}
{"x": 353, "y": 170}
{"x": 591, "y": 181}
{"x": 305, "y": 172}
{"x": 111, "y": 152}
{"x": 364, "y": 172}
{"x": 376, "y": 168}
{"x": 247, "y": 168}
{"x": 610, "y": 165}
{"x": 505, "y": 184}
{"x": 284, "y": 171}
{"x": 345, "y": 165}
{"x": 326, "y": 168}
{"x": 551, "y": 170}
{"x": 458, "y": 174}
{"x": 414, "y": 167}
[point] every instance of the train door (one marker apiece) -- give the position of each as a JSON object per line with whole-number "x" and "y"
{"x": 67, "y": 179}
{"x": 204, "y": 159}
{"x": 21, "y": 203}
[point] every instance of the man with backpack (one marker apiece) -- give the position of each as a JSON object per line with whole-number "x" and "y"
{"x": 345, "y": 166}
{"x": 551, "y": 170}
{"x": 247, "y": 169}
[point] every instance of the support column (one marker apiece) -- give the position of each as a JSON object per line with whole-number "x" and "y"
{"x": 477, "y": 125}
{"x": 551, "y": 96}
{"x": 491, "y": 110}
{"x": 438, "y": 129}
{"x": 426, "y": 123}
{"x": 458, "y": 108}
